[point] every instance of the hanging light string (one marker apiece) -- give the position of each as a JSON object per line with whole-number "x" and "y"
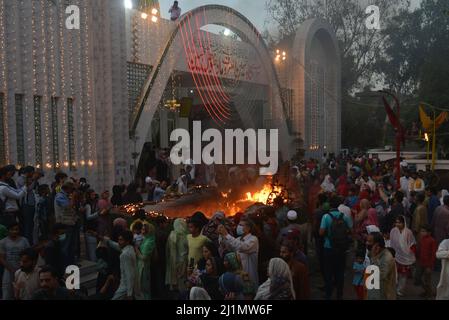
{"x": 27, "y": 116}
{"x": 90, "y": 115}
{"x": 4, "y": 85}
{"x": 62, "y": 93}
{"x": 80, "y": 100}
{"x": 45, "y": 92}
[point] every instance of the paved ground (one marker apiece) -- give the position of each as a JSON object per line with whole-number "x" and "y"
{"x": 412, "y": 292}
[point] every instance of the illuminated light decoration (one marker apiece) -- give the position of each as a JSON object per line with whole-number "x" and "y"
{"x": 223, "y": 94}
{"x": 90, "y": 163}
{"x": 45, "y": 93}
{"x": 74, "y": 164}
{"x": 185, "y": 42}
{"x": 66, "y": 164}
{"x": 211, "y": 66}
{"x": 227, "y": 32}
{"x": 215, "y": 111}
{"x": 154, "y": 19}
{"x": 154, "y": 11}
{"x": 38, "y": 166}
{"x": 144, "y": 15}
{"x": 128, "y": 4}
{"x": 216, "y": 102}
{"x": 65, "y": 138}
{"x": 4, "y": 85}
{"x": 80, "y": 100}
{"x": 91, "y": 119}
{"x": 48, "y": 165}
{"x": 54, "y": 100}
{"x": 82, "y": 162}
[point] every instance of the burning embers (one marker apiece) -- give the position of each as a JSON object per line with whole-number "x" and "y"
{"x": 266, "y": 196}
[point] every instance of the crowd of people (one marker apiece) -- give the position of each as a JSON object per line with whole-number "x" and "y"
{"x": 338, "y": 210}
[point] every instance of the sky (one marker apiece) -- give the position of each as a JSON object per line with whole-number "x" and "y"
{"x": 254, "y": 10}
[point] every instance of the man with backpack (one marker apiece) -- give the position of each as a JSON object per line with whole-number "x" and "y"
{"x": 336, "y": 229}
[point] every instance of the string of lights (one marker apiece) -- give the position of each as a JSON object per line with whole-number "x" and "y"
{"x": 80, "y": 97}
{"x": 4, "y": 85}
{"x": 27, "y": 117}
{"x": 45, "y": 91}
{"x": 65, "y": 144}
{"x": 90, "y": 116}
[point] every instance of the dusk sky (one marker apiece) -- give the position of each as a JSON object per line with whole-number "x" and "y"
{"x": 254, "y": 10}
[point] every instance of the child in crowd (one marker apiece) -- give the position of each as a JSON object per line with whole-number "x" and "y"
{"x": 137, "y": 231}
{"x": 426, "y": 255}
{"x": 359, "y": 275}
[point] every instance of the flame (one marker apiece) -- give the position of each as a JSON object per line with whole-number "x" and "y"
{"x": 263, "y": 195}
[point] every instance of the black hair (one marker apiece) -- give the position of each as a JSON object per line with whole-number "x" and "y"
{"x": 127, "y": 235}
{"x": 360, "y": 254}
{"x": 212, "y": 248}
{"x": 27, "y": 169}
{"x": 42, "y": 187}
{"x": 427, "y": 228}
{"x": 335, "y": 201}
{"x": 420, "y": 197}
{"x": 378, "y": 238}
{"x": 59, "y": 176}
{"x": 138, "y": 225}
{"x": 29, "y": 252}
{"x": 289, "y": 245}
{"x": 57, "y": 227}
{"x": 399, "y": 196}
{"x": 12, "y": 225}
{"x": 10, "y": 168}
{"x": 322, "y": 199}
{"x": 401, "y": 219}
{"x": 117, "y": 190}
{"x": 132, "y": 188}
{"x": 49, "y": 269}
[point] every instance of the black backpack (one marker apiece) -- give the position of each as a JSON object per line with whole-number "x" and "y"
{"x": 339, "y": 233}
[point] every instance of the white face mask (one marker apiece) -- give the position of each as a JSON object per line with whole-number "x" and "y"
{"x": 240, "y": 231}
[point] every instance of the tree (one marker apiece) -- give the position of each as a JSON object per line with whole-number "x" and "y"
{"x": 359, "y": 46}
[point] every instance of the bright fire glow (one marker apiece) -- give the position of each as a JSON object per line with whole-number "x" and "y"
{"x": 267, "y": 193}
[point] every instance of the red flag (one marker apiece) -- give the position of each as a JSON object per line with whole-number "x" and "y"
{"x": 394, "y": 120}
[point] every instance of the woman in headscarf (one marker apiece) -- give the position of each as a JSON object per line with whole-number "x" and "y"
{"x": 177, "y": 251}
{"x": 403, "y": 242}
{"x": 327, "y": 184}
{"x": 144, "y": 254}
{"x": 209, "y": 279}
{"x": 362, "y": 221}
{"x": 444, "y": 193}
{"x": 234, "y": 283}
{"x": 343, "y": 186}
{"x": 279, "y": 285}
{"x": 197, "y": 293}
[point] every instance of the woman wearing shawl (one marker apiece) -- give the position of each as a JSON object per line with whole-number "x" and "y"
{"x": 234, "y": 283}
{"x": 197, "y": 293}
{"x": 343, "y": 186}
{"x": 362, "y": 220}
{"x": 327, "y": 185}
{"x": 444, "y": 193}
{"x": 177, "y": 251}
{"x": 279, "y": 285}
{"x": 403, "y": 242}
{"x": 144, "y": 254}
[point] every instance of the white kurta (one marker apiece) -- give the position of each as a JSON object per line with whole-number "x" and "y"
{"x": 443, "y": 285}
{"x": 248, "y": 249}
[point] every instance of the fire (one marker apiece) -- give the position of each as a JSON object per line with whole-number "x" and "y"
{"x": 267, "y": 194}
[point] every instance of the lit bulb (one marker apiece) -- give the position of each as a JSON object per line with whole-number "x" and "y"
{"x": 90, "y": 163}
{"x": 144, "y": 15}
{"x": 66, "y": 164}
{"x": 83, "y": 162}
{"x": 48, "y": 165}
{"x": 154, "y": 11}
{"x": 227, "y": 32}
{"x": 154, "y": 19}
{"x": 128, "y": 4}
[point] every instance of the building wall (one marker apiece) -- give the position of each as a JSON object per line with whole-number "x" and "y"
{"x": 40, "y": 57}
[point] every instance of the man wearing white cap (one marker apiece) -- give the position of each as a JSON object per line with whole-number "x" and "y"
{"x": 292, "y": 219}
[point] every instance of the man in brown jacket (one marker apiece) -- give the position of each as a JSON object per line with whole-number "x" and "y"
{"x": 384, "y": 260}
{"x": 419, "y": 219}
{"x": 300, "y": 274}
